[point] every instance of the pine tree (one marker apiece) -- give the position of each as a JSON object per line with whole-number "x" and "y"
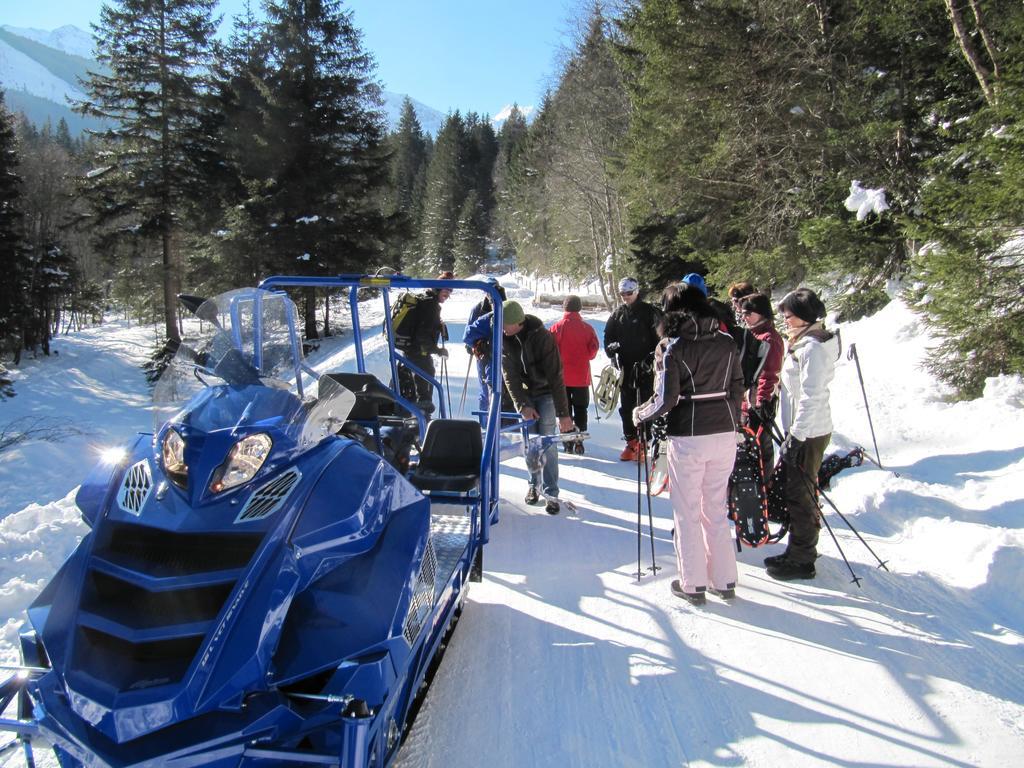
{"x": 967, "y": 277}
{"x": 446, "y": 189}
{"x": 409, "y": 159}
{"x": 308, "y": 145}
{"x": 157, "y": 53}
{"x": 13, "y": 301}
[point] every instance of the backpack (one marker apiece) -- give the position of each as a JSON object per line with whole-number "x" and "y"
{"x": 403, "y": 316}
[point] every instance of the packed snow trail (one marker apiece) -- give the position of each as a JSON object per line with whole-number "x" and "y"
{"x": 562, "y": 658}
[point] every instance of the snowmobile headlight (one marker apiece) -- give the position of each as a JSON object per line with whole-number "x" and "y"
{"x": 243, "y": 462}
{"x": 173, "y": 451}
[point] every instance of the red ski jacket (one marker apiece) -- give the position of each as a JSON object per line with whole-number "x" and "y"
{"x": 578, "y": 345}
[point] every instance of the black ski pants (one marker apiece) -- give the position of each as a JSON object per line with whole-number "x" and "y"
{"x": 801, "y": 494}
{"x": 637, "y": 387}
{"x": 579, "y": 402}
{"x": 416, "y": 388}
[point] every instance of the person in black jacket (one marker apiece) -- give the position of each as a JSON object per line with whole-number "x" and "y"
{"x": 698, "y": 387}
{"x": 418, "y": 341}
{"x": 630, "y": 336}
{"x": 532, "y": 368}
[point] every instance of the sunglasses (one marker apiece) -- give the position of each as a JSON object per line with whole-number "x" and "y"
{"x": 626, "y": 293}
{"x": 747, "y": 312}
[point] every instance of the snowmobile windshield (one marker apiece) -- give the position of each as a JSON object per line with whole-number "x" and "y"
{"x": 239, "y": 366}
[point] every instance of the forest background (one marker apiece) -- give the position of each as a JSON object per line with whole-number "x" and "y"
{"x": 716, "y": 136}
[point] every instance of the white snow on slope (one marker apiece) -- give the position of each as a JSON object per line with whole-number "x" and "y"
{"x": 20, "y": 72}
{"x": 562, "y": 658}
{"x": 68, "y": 38}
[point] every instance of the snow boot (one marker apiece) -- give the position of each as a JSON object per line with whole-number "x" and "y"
{"x": 630, "y": 452}
{"x": 787, "y": 570}
{"x": 693, "y": 598}
{"x": 726, "y": 594}
{"x": 532, "y": 497}
{"x": 552, "y": 508}
{"x": 774, "y": 560}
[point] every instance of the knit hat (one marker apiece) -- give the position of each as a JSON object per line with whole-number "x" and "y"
{"x": 757, "y": 302}
{"x": 805, "y": 304}
{"x": 696, "y": 281}
{"x": 572, "y": 304}
{"x": 512, "y": 313}
{"x": 628, "y": 285}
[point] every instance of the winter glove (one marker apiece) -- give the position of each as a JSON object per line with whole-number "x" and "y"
{"x": 636, "y": 416}
{"x": 613, "y": 357}
{"x": 480, "y": 350}
{"x": 791, "y": 450}
{"x": 440, "y": 352}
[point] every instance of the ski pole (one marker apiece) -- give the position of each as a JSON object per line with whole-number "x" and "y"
{"x": 593, "y": 392}
{"x": 639, "y": 520}
{"x": 852, "y": 355}
{"x": 642, "y": 431}
{"x": 444, "y": 375}
{"x": 465, "y": 386}
{"x": 881, "y": 562}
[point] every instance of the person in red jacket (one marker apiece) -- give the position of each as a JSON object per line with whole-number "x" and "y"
{"x": 762, "y": 400}
{"x": 577, "y": 346}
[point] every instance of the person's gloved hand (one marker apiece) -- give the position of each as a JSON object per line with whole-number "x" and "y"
{"x": 480, "y": 350}
{"x": 792, "y": 447}
{"x": 636, "y": 415}
{"x": 440, "y": 352}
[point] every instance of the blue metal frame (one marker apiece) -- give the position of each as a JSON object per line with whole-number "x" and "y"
{"x": 180, "y": 632}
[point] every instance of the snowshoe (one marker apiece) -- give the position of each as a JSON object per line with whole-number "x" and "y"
{"x": 659, "y": 468}
{"x": 748, "y": 498}
{"x": 606, "y": 393}
{"x": 835, "y": 463}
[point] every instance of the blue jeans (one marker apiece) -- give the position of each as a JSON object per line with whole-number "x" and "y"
{"x": 547, "y": 424}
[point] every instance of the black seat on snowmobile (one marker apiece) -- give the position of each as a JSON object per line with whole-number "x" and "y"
{"x": 450, "y": 458}
{"x": 370, "y": 394}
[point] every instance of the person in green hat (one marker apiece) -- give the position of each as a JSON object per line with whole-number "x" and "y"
{"x": 532, "y": 369}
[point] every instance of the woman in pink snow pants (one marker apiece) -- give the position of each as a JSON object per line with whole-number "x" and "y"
{"x": 698, "y": 387}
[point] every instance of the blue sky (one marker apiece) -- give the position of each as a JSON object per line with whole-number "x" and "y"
{"x": 474, "y": 55}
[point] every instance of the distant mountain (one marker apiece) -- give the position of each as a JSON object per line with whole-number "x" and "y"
{"x": 430, "y": 119}
{"x": 40, "y": 73}
{"x": 499, "y": 119}
{"x": 69, "y": 38}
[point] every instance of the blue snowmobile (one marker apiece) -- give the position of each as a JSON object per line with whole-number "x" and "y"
{"x": 270, "y": 577}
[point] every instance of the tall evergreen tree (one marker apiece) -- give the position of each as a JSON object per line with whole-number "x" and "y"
{"x": 13, "y": 301}
{"x": 152, "y": 93}
{"x": 446, "y": 190}
{"x": 968, "y": 275}
{"x": 313, "y": 166}
{"x": 409, "y": 159}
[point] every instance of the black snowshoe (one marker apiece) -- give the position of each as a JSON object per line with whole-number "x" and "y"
{"x": 748, "y": 497}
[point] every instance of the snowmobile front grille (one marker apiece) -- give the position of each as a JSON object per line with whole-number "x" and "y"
{"x": 267, "y": 499}
{"x": 422, "y": 596}
{"x": 135, "y": 488}
{"x": 166, "y": 554}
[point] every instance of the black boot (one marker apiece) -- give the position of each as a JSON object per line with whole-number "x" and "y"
{"x": 532, "y": 497}
{"x": 693, "y": 598}
{"x": 787, "y": 570}
{"x": 774, "y": 560}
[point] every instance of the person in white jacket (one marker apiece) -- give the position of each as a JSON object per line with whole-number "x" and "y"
{"x": 807, "y": 371}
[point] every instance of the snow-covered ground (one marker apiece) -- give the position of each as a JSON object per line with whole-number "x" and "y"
{"x": 562, "y": 658}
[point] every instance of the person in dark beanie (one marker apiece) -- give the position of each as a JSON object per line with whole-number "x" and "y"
{"x": 761, "y": 401}
{"x": 807, "y": 371}
{"x": 532, "y": 369}
{"x": 630, "y": 336}
{"x": 577, "y": 345}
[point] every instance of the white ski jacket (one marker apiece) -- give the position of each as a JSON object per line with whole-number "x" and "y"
{"x": 807, "y": 372}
